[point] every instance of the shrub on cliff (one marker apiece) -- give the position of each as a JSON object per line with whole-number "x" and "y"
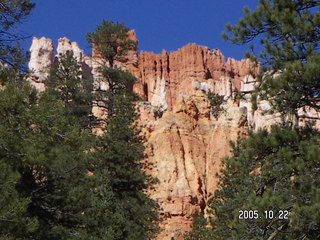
{"x": 216, "y": 101}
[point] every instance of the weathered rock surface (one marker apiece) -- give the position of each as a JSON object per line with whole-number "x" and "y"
{"x": 65, "y": 45}
{"x": 186, "y": 142}
{"x": 164, "y": 77}
{"x": 41, "y": 59}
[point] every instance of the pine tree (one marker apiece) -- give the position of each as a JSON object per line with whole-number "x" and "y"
{"x": 200, "y": 230}
{"x": 111, "y": 41}
{"x": 277, "y": 172}
{"x": 288, "y": 32}
{"x": 12, "y": 12}
{"x": 46, "y": 152}
{"x": 45, "y": 190}
{"x": 68, "y": 83}
{"x": 120, "y": 150}
{"x": 58, "y": 183}
{"x": 14, "y": 223}
{"x": 273, "y": 172}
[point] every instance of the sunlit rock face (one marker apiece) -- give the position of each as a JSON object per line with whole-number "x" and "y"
{"x": 186, "y": 142}
{"x": 65, "y": 45}
{"x": 164, "y": 77}
{"x": 41, "y": 59}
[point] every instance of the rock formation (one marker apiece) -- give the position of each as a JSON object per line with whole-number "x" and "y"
{"x": 187, "y": 143}
{"x": 41, "y": 59}
{"x": 64, "y": 45}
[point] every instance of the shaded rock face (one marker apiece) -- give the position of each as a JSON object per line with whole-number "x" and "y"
{"x": 187, "y": 143}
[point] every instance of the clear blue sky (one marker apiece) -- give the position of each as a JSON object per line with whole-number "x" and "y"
{"x": 159, "y": 24}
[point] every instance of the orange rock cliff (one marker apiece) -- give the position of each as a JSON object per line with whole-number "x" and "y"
{"x": 187, "y": 142}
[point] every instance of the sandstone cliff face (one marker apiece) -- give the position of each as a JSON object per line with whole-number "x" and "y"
{"x": 186, "y": 142}
{"x": 164, "y": 78}
{"x": 65, "y": 45}
{"x": 41, "y": 59}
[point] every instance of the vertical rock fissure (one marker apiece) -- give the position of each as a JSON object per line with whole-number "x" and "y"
{"x": 183, "y": 158}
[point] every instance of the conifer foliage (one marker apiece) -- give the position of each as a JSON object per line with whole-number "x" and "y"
{"x": 68, "y": 83}
{"x": 276, "y": 174}
{"x": 288, "y": 31}
{"x": 269, "y": 187}
{"x": 45, "y": 151}
{"x": 57, "y": 179}
{"x": 12, "y": 12}
{"x": 121, "y": 147}
{"x": 111, "y": 41}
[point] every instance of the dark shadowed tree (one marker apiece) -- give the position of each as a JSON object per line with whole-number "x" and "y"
{"x": 276, "y": 174}
{"x": 45, "y": 155}
{"x": 68, "y": 83}
{"x": 14, "y": 104}
{"x": 200, "y": 230}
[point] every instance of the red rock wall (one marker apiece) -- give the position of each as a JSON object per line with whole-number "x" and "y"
{"x": 180, "y": 68}
{"x": 186, "y": 142}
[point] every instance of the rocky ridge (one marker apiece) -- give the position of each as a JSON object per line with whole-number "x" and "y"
{"x": 186, "y": 141}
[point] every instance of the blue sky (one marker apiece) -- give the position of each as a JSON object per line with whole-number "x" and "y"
{"x": 161, "y": 24}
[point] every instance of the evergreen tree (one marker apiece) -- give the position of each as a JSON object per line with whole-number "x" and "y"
{"x": 216, "y": 101}
{"x": 12, "y": 13}
{"x": 121, "y": 153}
{"x": 45, "y": 190}
{"x": 46, "y": 152}
{"x": 288, "y": 31}
{"x": 56, "y": 182}
{"x": 277, "y": 172}
{"x": 111, "y": 41}
{"x": 14, "y": 223}
{"x": 120, "y": 150}
{"x": 200, "y": 230}
{"x": 273, "y": 172}
{"x": 68, "y": 83}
